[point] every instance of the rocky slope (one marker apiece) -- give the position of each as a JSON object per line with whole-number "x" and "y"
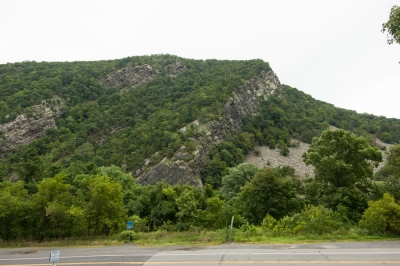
{"x": 262, "y": 156}
{"x": 185, "y": 166}
{"x": 30, "y": 125}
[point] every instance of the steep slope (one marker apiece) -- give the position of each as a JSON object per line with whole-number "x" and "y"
{"x": 31, "y": 125}
{"x": 157, "y": 117}
{"x": 186, "y": 164}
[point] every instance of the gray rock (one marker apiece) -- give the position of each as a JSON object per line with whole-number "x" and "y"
{"x": 129, "y": 77}
{"x": 27, "y": 127}
{"x": 185, "y": 166}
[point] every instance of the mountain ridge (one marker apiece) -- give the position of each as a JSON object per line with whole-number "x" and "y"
{"x": 130, "y": 112}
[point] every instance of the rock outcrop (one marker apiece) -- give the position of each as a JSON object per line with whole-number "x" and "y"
{"x": 30, "y": 125}
{"x": 175, "y": 68}
{"x": 133, "y": 76}
{"x": 129, "y": 77}
{"x": 185, "y": 166}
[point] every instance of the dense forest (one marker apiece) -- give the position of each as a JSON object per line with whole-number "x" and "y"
{"x": 77, "y": 178}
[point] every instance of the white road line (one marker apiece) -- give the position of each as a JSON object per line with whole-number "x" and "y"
{"x": 217, "y": 254}
{"x": 73, "y": 257}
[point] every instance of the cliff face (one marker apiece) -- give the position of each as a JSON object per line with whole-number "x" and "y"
{"x": 133, "y": 76}
{"x": 30, "y": 125}
{"x": 129, "y": 77}
{"x": 185, "y": 166}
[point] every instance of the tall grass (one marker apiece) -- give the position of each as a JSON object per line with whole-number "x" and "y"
{"x": 251, "y": 234}
{"x": 166, "y": 238}
{"x": 66, "y": 242}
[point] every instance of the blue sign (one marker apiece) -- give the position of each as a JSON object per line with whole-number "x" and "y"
{"x": 54, "y": 255}
{"x": 129, "y": 225}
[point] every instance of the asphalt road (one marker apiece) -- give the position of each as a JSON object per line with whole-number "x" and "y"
{"x": 365, "y": 253}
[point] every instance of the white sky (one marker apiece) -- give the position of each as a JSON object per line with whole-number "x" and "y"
{"x": 333, "y": 50}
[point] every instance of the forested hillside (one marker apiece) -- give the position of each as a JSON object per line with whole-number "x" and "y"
{"x": 75, "y": 133}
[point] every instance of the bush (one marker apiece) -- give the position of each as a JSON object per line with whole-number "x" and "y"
{"x": 139, "y": 224}
{"x": 318, "y": 220}
{"x": 382, "y": 216}
{"x": 124, "y": 235}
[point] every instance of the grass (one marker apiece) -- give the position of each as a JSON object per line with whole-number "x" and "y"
{"x": 202, "y": 238}
{"x": 192, "y": 238}
{"x": 67, "y": 242}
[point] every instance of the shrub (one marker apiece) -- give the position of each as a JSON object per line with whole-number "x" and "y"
{"x": 318, "y": 220}
{"x": 382, "y": 216}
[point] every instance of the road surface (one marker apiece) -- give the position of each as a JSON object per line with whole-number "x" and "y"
{"x": 365, "y": 253}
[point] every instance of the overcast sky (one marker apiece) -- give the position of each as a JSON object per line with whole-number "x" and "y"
{"x": 333, "y": 50}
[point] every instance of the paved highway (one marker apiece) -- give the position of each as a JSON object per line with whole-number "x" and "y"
{"x": 371, "y": 253}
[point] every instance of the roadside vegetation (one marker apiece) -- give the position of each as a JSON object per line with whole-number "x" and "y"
{"x": 341, "y": 202}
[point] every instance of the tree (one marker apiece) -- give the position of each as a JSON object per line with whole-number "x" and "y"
{"x": 237, "y": 178}
{"x": 342, "y": 159}
{"x": 13, "y": 204}
{"x": 105, "y": 205}
{"x": 213, "y": 216}
{"x": 390, "y": 173}
{"x": 101, "y": 200}
{"x": 30, "y": 166}
{"x": 394, "y": 160}
{"x": 266, "y": 194}
{"x": 343, "y": 163}
{"x": 51, "y": 204}
{"x": 187, "y": 206}
{"x": 392, "y": 26}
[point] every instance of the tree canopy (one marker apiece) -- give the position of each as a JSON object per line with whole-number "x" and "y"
{"x": 342, "y": 159}
{"x": 392, "y": 26}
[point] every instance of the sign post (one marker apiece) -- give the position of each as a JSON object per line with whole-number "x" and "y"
{"x": 230, "y": 231}
{"x": 54, "y": 255}
{"x": 129, "y": 226}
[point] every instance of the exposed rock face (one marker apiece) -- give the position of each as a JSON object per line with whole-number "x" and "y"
{"x": 27, "y": 127}
{"x": 176, "y": 68}
{"x": 185, "y": 166}
{"x": 246, "y": 99}
{"x": 129, "y": 77}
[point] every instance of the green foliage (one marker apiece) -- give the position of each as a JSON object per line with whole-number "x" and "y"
{"x": 29, "y": 166}
{"x": 390, "y": 174}
{"x": 187, "y": 206}
{"x": 318, "y": 220}
{"x": 13, "y": 208}
{"x": 267, "y": 194}
{"x": 110, "y": 126}
{"x": 342, "y": 159}
{"x": 76, "y": 180}
{"x": 213, "y": 216}
{"x": 382, "y": 216}
{"x": 237, "y": 178}
{"x": 392, "y": 26}
{"x": 299, "y": 116}
{"x": 394, "y": 160}
{"x": 343, "y": 164}
{"x": 139, "y": 224}
{"x": 283, "y": 149}
{"x": 51, "y": 206}
{"x": 104, "y": 204}
{"x": 131, "y": 124}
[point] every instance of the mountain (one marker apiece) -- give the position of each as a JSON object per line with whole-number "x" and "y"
{"x": 158, "y": 117}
